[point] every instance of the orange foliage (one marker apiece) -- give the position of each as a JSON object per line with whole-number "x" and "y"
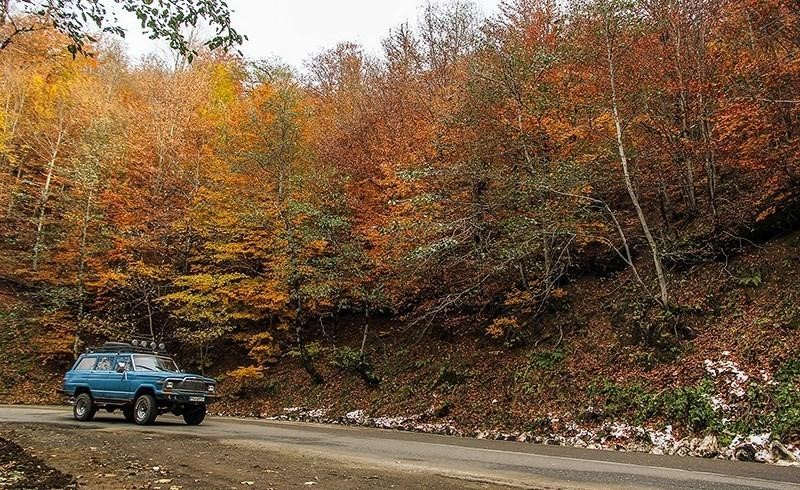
{"x": 470, "y": 170}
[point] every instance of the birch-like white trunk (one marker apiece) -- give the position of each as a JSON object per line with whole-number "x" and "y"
{"x": 43, "y": 198}
{"x": 662, "y": 282}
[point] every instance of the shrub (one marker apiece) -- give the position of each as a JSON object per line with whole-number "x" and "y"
{"x": 787, "y": 409}
{"x": 771, "y": 407}
{"x": 750, "y": 279}
{"x": 346, "y": 358}
{"x": 262, "y": 348}
{"x": 633, "y": 399}
{"x": 351, "y": 360}
{"x": 546, "y": 360}
{"x": 691, "y": 406}
{"x": 422, "y": 363}
{"x": 247, "y": 381}
{"x": 507, "y": 328}
{"x": 406, "y": 392}
{"x": 789, "y": 372}
{"x": 786, "y": 398}
{"x": 313, "y": 351}
{"x": 647, "y": 360}
{"x": 449, "y": 377}
{"x": 645, "y": 323}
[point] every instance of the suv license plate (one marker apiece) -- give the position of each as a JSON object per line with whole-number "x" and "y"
{"x": 197, "y": 399}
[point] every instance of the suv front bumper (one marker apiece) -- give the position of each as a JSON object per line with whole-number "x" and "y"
{"x": 187, "y": 397}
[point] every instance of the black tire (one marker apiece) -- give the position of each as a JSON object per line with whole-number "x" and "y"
{"x": 84, "y": 408}
{"x": 194, "y": 415}
{"x": 127, "y": 412}
{"x": 145, "y": 410}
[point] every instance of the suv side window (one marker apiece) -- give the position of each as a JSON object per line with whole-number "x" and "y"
{"x": 85, "y": 364}
{"x": 105, "y": 363}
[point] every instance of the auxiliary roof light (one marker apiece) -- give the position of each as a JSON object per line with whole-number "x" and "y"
{"x": 151, "y": 345}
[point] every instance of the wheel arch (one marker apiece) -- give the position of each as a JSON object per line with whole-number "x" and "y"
{"x": 83, "y": 389}
{"x": 144, "y": 390}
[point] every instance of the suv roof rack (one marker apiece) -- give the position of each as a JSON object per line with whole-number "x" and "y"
{"x": 123, "y": 347}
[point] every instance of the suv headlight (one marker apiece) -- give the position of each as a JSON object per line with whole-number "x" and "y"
{"x": 169, "y": 385}
{"x": 212, "y": 389}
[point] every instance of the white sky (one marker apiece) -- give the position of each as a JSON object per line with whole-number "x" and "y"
{"x": 293, "y": 30}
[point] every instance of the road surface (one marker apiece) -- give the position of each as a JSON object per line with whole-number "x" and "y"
{"x": 469, "y": 460}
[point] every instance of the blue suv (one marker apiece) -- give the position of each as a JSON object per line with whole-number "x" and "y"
{"x": 141, "y": 382}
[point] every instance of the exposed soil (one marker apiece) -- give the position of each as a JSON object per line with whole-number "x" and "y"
{"x": 110, "y": 459}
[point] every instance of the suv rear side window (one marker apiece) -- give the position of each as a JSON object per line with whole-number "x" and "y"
{"x": 105, "y": 363}
{"x": 85, "y": 364}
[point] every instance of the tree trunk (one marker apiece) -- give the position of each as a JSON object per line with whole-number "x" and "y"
{"x": 294, "y": 288}
{"x": 662, "y": 283}
{"x": 709, "y": 160}
{"x": 43, "y": 201}
{"x": 82, "y": 271}
{"x": 366, "y": 331}
{"x": 688, "y": 178}
{"x": 305, "y": 359}
{"x": 709, "y": 163}
{"x": 13, "y": 191}
{"x": 150, "y": 318}
{"x": 10, "y": 135}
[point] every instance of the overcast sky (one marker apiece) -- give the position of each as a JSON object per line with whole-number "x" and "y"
{"x": 295, "y": 29}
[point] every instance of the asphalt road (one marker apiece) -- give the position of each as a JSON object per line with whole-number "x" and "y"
{"x": 500, "y": 462}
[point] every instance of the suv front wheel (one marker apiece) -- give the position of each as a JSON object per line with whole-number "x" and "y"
{"x": 84, "y": 408}
{"x": 145, "y": 410}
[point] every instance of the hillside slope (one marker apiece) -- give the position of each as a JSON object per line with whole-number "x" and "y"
{"x": 734, "y": 371}
{"x": 743, "y": 321}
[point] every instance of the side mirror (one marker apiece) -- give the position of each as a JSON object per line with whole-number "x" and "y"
{"x": 122, "y": 367}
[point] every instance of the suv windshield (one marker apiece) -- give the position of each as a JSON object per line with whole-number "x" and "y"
{"x": 154, "y": 363}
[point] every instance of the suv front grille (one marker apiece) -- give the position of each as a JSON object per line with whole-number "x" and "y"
{"x": 191, "y": 385}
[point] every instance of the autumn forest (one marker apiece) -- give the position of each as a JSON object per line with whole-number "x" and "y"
{"x": 456, "y": 184}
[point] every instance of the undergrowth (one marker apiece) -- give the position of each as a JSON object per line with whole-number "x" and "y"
{"x": 769, "y": 407}
{"x": 351, "y": 360}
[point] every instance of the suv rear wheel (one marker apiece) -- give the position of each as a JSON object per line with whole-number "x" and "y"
{"x": 145, "y": 410}
{"x": 84, "y": 408}
{"x": 194, "y": 415}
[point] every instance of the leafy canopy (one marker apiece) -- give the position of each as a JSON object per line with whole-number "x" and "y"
{"x": 160, "y": 19}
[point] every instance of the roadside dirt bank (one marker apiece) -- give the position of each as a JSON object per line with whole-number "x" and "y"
{"x": 19, "y": 469}
{"x": 110, "y": 458}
